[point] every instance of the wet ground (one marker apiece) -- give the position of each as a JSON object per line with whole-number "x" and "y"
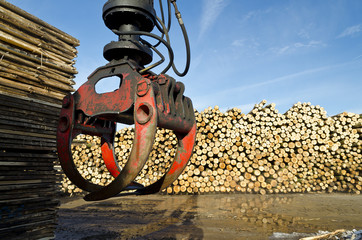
{"x": 231, "y": 216}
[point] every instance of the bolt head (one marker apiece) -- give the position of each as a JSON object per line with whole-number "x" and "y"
{"x": 142, "y": 87}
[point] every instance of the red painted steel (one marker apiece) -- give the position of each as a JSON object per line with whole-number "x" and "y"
{"x": 65, "y": 134}
{"x": 145, "y": 130}
{"x": 109, "y": 159}
{"x": 183, "y": 154}
{"x": 148, "y": 102}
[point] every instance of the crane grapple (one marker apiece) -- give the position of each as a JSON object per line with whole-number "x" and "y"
{"x": 145, "y": 99}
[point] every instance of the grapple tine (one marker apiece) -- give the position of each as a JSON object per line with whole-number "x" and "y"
{"x": 110, "y": 160}
{"x": 108, "y": 156}
{"x": 184, "y": 152}
{"x": 65, "y": 135}
{"x": 145, "y": 118}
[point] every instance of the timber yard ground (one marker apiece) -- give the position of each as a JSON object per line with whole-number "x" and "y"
{"x": 215, "y": 216}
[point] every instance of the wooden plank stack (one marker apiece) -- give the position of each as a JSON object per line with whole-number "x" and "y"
{"x": 36, "y": 58}
{"x": 36, "y": 72}
{"x": 302, "y": 150}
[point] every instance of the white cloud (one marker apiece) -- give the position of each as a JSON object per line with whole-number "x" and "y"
{"x": 295, "y": 46}
{"x": 360, "y": 56}
{"x": 246, "y": 42}
{"x": 309, "y": 44}
{"x": 227, "y": 92}
{"x": 210, "y": 12}
{"x": 350, "y": 31}
{"x": 248, "y": 16}
{"x": 304, "y": 34}
{"x": 245, "y": 46}
{"x": 283, "y": 50}
{"x": 281, "y": 79}
{"x": 255, "y": 14}
{"x": 225, "y": 96}
{"x": 238, "y": 43}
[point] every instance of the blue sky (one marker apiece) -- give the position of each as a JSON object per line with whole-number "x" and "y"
{"x": 243, "y": 51}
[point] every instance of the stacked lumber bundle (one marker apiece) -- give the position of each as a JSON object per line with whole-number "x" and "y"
{"x": 36, "y": 58}
{"x": 35, "y": 74}
{"x": 302, "y": 150}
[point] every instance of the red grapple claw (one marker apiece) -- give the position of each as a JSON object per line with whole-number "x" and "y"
{"x": 145, "y": 131}
{"x": 148, "y": 103}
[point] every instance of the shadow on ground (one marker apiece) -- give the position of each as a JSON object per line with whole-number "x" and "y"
{"x": 231, "y": 216}
{"x": 130, "y": 218}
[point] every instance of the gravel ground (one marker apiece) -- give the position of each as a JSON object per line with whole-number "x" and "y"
{"x": 217, "y": 216}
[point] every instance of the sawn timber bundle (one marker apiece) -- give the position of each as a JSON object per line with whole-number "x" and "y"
{"x": 36, "y": 72}
{"x": 302, "y": 150}
{"x": 36, "y": 59}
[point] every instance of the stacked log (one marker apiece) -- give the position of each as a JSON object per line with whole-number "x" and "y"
{"x": 264, "y": 151}
{"x": 36, "y": 71}
{"x": 88, "y": 158}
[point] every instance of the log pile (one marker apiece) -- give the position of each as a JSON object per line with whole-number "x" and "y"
{"x": 36, "y": 71}
{"x": 302, "y": 150}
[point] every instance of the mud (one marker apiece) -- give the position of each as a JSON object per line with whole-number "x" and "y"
{"x": 232, "y": 216}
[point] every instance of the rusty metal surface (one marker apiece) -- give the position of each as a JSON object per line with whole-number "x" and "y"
{"x": 145, "y": 115}
{"x": 157, "y": 101}
{"x": 143, "y": 98}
